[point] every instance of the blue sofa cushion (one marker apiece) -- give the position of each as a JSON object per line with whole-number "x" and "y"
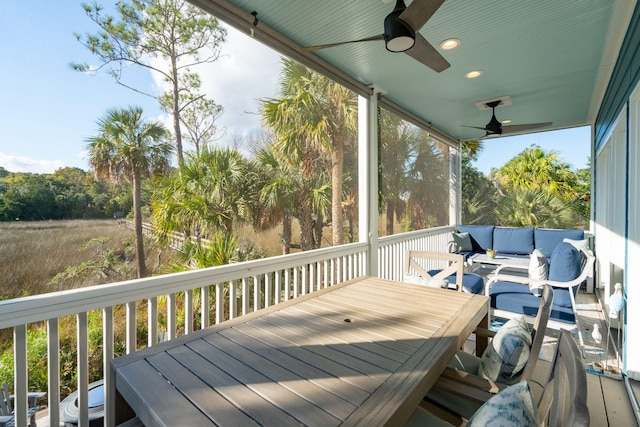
{"x": 547, "y": 239}
{"x": 517, "y": 298}
{"x": 481, "y": 236}
{"x": 471, "y": 282}
{"x": 513, "y": 240}
{"x": 564, "y": 263}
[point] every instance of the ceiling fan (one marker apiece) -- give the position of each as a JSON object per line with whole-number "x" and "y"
{"x": 495, "y": 127}
{"x": 401, "y": 33}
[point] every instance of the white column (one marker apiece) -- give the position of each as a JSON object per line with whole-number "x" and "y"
{"x": 368, "y": 178}
{"x": 455, "y": 185}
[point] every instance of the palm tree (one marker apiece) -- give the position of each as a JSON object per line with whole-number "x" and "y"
{"x": 314, "y": 115}
{"x": 287, "y": 194}
{"x": 210, "y": 193}
{"x": 535, "y": 168}
{"x": 396, "y": 144}
{"x": 130, "y": 148}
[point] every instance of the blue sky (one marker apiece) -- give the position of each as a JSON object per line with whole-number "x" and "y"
{"x": 48, "y": 110}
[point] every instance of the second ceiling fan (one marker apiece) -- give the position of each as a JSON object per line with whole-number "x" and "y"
{"x": 401, "y": 33}
{"x": 495, "y": 127}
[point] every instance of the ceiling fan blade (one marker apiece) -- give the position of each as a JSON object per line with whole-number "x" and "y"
{"x": 324, "y": 46}
{"x": 520, "y": 128}
{"x": 423, "y": 52}
{"x": 475, "y": 127}
{"x": 419, "y": 11}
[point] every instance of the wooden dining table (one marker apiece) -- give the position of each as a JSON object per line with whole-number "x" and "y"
{"x": 363, "y": 352}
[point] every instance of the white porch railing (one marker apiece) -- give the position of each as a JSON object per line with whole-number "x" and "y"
{"x": 224, "y": 292}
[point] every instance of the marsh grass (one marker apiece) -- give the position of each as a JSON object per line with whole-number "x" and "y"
{"x": 32, "y": 253}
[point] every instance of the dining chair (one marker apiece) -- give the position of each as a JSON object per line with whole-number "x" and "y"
{"x": 465, "y": 385}
{"x": 563, "y": 401}
{"x": 425, "y": 267}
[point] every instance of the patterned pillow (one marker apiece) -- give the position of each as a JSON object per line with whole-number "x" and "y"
{"x": 513, "y": 406}
{"x": 538, "y": 270}
{"x": 507, "y": 352}
{"x": 462, "y": 242}
{"x": 426, "y": 281}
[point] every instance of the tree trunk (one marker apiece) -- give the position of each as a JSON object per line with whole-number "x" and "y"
{"x": 337, "y": 216}
{"x": 176, "y": 112}
{"x": 137, "y": 219}
{"x": 390, "y": 211}
{"x": 318, "y": 231}
{"x": 286, "y": 235}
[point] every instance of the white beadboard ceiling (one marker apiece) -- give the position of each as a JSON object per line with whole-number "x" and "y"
{"x": 551, "y": 58}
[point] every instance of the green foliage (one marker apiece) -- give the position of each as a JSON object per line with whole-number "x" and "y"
{"x": 535, "y": 188}
{"x": 68, "y": 193}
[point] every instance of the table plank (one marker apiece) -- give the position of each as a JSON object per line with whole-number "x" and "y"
{"x": 346, "y": 390}
{"x": 142, "y": 387}
{"x": 303, "y": 410}
{"x": 301, "y": 385}
{"x": 354, "y": 376}
{"x": 234, "y": 391}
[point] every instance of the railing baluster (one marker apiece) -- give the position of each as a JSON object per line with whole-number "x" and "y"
{"x": 220, "y": 302}
{"x": 267, "y": 289}
{"x": 107, "y": 354}
{"x": 83, "y": 369}
{"x": 152, "y": 321}
{"x": 132, "y": 344}
{"x": 53, "y": 371}
{"x": 245, "y": 296}
{"x": 233, "y": 302}
{"x": 257, "y": 294}
{"x": 171, "y": 316}
{"x": 20, "y": 388}
{"x": 205, "y": 321}
{"x": 287, "y": 285}
{"x": 188, "y": 311}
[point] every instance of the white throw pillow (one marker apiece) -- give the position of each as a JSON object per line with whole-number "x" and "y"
{"x": 426, "y": 281}
{"x": 507, "y": 353}
{"x": 513, "y": 406}
{"x": 538, "y": 270}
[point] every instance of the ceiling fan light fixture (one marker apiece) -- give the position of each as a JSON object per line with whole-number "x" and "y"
{"x": 473, "y": 74}
{"x": 398, "y": 35}
{"x": 449, "y": 44}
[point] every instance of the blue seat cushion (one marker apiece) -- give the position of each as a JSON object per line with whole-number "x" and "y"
{"x": 517, "y": 298}
{"x": 547, "y": 239}
{"x": 471, "y": 282}
{"x": 564, "y": 263}
{"x": 513, "y": 240}
{"x": 481, "y": 236}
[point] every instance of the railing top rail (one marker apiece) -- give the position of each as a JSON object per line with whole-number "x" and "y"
{"x": 31, "y": 309}
{"x": 403, "y": 237}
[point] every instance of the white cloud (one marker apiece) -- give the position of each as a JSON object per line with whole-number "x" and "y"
{"x": 26, "y": 164}
{"x": 246, "y": 72}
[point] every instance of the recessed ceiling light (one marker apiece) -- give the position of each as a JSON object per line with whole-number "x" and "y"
{"x": 506, "y": 122}
{"x": 449, "y": 44}
{"x": 473, "y": 74}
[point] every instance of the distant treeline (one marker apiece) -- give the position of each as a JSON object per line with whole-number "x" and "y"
{"x": 68, "y": 193}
